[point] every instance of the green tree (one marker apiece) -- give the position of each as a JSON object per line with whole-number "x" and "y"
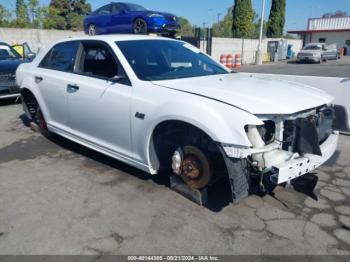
{"x": 5, "y": 16}
{"x": 53, "y": 19}
{"x": 22, "y": 18}
{"x": 338, "y": 13}
{"x": 66, "y": 14}
{"x": 186, "y": 27}
{"x": 33, "y": 8}
{"x": 80, "y": 7}
{"x": 275, "y": 24}
{"x": 256, "y": 27}
{"x": 57, "y": 15}
{"x": 243, "y": 16}
{"x": 224, "y": 28}
{"x": 76, "y": 16}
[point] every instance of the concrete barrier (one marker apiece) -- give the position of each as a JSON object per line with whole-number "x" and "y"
{"x": 36, "y": 38}
{"x": 339, "y": 88}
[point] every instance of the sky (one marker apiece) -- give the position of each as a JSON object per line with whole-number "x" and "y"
{"x": 206, "y": 11}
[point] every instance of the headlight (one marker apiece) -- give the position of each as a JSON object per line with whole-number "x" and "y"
{"x": 235, "y": 151}
{"x": 316, "y": 55}
{"x": 155, "y": 15}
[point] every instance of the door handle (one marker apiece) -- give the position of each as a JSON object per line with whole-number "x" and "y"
{"x": 72, "y": 88}
{"x": 38, "y": 79}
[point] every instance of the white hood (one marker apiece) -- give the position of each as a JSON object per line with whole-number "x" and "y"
{"x": 252, "y": 94}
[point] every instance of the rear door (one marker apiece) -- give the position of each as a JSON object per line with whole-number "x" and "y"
{"x": 120, "y": 19}
{"x": 99, "y": 107}
{"x": 51, "y": 78}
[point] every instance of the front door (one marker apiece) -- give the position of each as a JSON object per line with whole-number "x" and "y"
{"x": 99, "y": 106}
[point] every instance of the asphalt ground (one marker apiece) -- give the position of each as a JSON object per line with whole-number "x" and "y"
{"x": 57, "y": 197}
{"x": 331, "y": 68}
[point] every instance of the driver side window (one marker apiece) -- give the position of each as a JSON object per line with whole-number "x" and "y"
{"x": 116, "y": 9}
{"x": 97, "y": 60}
{"x": 105, "y": 10}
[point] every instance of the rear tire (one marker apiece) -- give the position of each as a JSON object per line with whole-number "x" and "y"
{"x": 92, "y": 30}
{"x": 41, "y": 122}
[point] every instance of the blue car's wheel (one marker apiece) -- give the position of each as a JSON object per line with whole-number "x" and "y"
{"x": 140, "y": 27}
{"x": 92, "y": 30}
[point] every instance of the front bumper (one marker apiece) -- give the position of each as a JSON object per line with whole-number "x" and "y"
{"x": 163, "y": 26}
{"x": 308, "y": 59}
{"x": 297, "y": 167}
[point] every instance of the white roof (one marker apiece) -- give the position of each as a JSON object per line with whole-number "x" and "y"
{"x": 119, "y": 37}
{"x": 334, "y": 23}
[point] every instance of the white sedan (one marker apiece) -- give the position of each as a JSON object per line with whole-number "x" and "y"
{"x": 160, "y": 104}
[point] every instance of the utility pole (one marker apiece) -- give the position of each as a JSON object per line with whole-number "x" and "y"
{"x": 204, "y": 35}
{"x": 258, "y": 60}
{"x": 219, "y": 14}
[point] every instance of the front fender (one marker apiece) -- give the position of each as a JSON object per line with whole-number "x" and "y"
{"x": 221, "y": 122}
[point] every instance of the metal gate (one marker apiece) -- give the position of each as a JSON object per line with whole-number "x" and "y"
{"x": 202, "y": 39}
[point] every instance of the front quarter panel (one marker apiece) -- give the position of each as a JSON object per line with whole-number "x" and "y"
{"x": 223, "y": 123}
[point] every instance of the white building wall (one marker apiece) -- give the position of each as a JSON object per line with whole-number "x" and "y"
{"x": 331, "y": 37}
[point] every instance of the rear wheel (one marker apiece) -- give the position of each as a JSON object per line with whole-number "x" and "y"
{"x": 41, "y": 122}
{"x": 140, "y": 27}
{"x": 194, "y": 167}
{"x": 92, "y": 30}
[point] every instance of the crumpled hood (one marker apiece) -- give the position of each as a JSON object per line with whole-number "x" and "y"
{"x": 253, "y": 94}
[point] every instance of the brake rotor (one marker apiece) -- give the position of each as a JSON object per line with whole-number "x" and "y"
{"x": 191, "y": 170}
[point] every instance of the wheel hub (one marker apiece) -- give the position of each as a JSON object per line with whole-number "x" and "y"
{"x": 191, "y": 167}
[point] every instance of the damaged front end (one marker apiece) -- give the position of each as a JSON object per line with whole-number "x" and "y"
{"x": 284, "y": 148}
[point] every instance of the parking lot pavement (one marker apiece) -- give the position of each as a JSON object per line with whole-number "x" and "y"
{"x": 59, "y": 198}
{"x": 331, "y": 68}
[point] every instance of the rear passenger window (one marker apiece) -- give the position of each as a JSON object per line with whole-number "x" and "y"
{"x": 61, "y": 57}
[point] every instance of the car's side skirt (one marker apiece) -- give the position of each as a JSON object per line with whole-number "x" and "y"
{"x": 99, "y": 148}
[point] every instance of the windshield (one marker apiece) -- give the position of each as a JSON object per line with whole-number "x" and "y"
{"x": 7, "y": 52}
{"x": 312, "y": 47}
{"x": 154, "y": 60}
{"x": 134, "y": 7}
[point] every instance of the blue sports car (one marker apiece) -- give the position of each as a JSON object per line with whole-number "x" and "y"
{"x": 130, "y": 18}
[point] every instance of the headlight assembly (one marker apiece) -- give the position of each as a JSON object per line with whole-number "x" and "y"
{"x": 155, "y": 15}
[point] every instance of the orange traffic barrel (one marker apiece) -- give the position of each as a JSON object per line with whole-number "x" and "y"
{"x": 223, "y": 59}
{"x": 238, "y": 61}
{"x": 229, "y": 61}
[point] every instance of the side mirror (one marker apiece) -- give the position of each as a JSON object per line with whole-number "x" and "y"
{"x": 30, "y": 56}
{"x": 117, "y": 78}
